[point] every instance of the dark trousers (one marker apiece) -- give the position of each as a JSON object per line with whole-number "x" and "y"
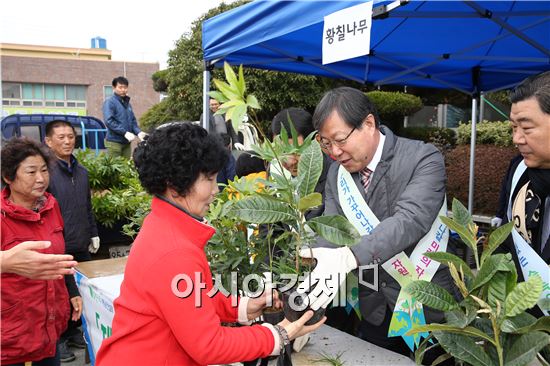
{"x": 339, "y": 318}
{"x": 72, "y": 326}
{"x": 50, "y": 361}
{"x": 378, "y": 335}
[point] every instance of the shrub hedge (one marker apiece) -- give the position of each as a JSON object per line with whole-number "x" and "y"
{"x": 430, "y": 134}
{"x": 496, "y": 133}
{"x": 393, "y": 106}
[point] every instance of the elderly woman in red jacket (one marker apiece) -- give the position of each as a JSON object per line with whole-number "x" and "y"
{"x": 164, "y": 314}
{"x": 34, "y": 311}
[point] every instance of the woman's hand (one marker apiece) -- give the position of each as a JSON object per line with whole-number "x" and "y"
{"x": 297, "y": 328}
{"x": 25, "y": 260}
{"x": 257, "y": 305}
{"x": 76, "y": 302}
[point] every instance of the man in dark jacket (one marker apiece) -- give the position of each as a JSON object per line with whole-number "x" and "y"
{"x": 122, "y": 127}
{"x": 70, "y": 186}
{"x": 528, "y": 182}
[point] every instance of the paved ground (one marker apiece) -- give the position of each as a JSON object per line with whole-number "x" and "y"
{"x": 80, "y": 357}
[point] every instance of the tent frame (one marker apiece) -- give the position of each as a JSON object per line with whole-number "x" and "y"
{"x": 384, "y": 11}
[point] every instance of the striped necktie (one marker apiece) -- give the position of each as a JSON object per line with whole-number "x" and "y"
{"x": 365, "y": 178}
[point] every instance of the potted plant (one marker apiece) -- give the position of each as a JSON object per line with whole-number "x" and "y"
{"x": 119, "y": 203}
{"x": 490, "y": 325}
{"x": 285, "y": 200}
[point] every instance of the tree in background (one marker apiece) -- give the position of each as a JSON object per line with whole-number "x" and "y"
{"x": 183, "y": 82}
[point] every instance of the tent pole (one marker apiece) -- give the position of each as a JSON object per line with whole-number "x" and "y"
{"x": 472, "y": 156}
{"x": 205, "y": 97}
{"x": 481, "y": 107}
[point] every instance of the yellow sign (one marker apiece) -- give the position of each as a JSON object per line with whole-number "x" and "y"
{"x": 6, "y": 111}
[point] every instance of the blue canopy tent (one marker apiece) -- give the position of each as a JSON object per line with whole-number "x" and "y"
{"x": 470, "y": 46}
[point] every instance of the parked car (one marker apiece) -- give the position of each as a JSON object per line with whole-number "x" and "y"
{"x": 34, "y": 126}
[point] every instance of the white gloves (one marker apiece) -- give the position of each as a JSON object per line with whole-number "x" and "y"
{"x": 129, "y": 136}
{"x": 333, "y": 265}
{"x": 239, "y": 146}
{"x": 94, "y": 245}
{"x": 142, "y": 135}
{"x": 496, "y": 221}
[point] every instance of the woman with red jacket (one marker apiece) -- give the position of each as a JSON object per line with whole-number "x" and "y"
{"x": 166, "y": 313}
{"x": 34, "y": 312}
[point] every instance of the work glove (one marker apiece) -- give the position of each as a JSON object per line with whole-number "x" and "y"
{"x": 142, "y": 135}
{"x": 496, "y": 221}
{"x": 333, "y": 265}
{"x": 239, "y": 146}
{"x": 94, "y": 245}
{"x": 129, "y": 136}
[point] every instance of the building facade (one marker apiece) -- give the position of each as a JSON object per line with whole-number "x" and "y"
{"x": 76, "y": 81}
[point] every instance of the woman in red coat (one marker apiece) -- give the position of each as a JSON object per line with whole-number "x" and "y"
{"x": 166, "y": 313}
{"x": 34, "y": 311}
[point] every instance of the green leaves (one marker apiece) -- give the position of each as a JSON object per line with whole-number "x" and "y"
{"x": 446, "y": 258}
{"x": 432, "y": 295}
{"x": 490, "y": 267}
{"x": 524, "y": 296}
{"x": 458, "y": 318}
{"x": 542, "y": 324}
{"x": 461, "y": 215}
{"x": 463, "y": 232}
{"x": 495, "y": 239}
{"x": 311, "y": 200}
{"x": 310, "y": 168}
{"x": 262, "y": 210}
{"x": 231, "y": 94}
{"x": 490, "y": 326}
{"x": 513, "y": 324}
{"x": 463, "y": 348}
{"x": 252, "y": 102}
{"x": 524, "y": 350}
{"x": 336, "y": 229}
{"x": 468, "y": 331}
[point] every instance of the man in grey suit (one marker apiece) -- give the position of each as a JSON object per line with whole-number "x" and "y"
{"x": 403, "y": 183}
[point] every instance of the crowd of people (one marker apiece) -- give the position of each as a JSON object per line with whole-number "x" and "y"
{"x": 47, "y": 226}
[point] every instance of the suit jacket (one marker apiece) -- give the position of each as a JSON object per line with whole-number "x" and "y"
{"x": 406, "y": 191}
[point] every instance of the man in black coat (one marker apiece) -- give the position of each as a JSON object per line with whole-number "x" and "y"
{"x": 528, "y": 181}
{"x": 70, "y": 186}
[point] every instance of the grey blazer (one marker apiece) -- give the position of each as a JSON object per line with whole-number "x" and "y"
{"x": 405, "y": 193}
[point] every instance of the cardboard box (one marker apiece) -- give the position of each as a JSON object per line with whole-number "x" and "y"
{"x": 103, "y": 267}
{"x": 99, "y": 285}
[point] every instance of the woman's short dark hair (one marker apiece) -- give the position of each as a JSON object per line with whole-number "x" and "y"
{"x": 352, "y": 105}
{"x": 18, "y": 149}
{"x": 175, "y": 155}
{"x": 301, "y": 119}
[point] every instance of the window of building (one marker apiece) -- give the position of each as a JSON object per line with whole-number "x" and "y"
{"x": 107, "y": 91}
{"x": 76, "y": 92}
{"x": 11, "y": 91}
{"x": 33, "y": 95}
{"x": 54, "y": 92}
{"x": 39, "y": 95}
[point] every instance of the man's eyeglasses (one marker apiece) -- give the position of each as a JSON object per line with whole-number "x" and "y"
{"x": 327, "y": 143}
